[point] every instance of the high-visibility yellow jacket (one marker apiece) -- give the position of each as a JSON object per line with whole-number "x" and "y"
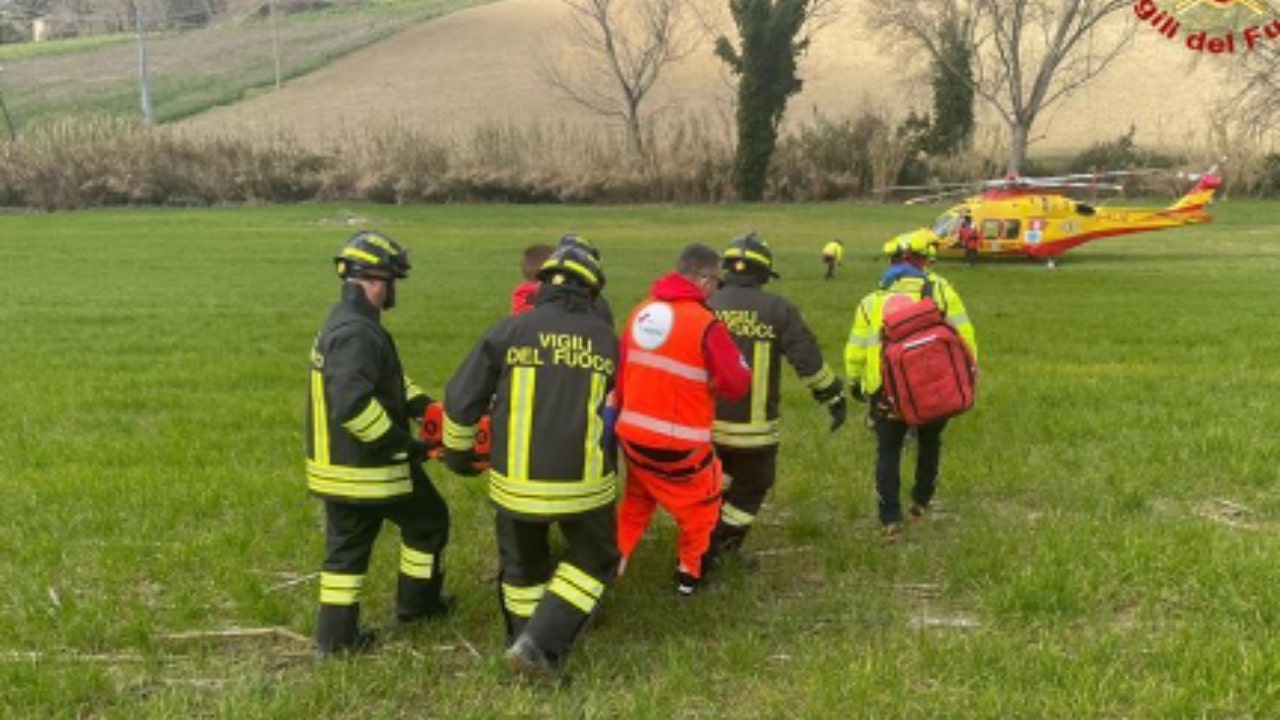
{"x": 833, "y": 250}
{"x": 862, "y": 353}
{"x": 357, "y": 419}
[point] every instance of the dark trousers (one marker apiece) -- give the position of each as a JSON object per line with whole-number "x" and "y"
{"x": 550, "y": 599}
{"x": 891, "y": 434}
{"x": 830, "y": 262}
{"x": 350, "y": 531}
{"x": 752, "y": 474}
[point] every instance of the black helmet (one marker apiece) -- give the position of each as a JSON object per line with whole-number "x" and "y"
{"x": 572, "y": 262}
{"x": 370, "y": 253}
{"x": 748, "y": 251}
{"x": 572, "y": 240}
{"x": 577, "y": 241}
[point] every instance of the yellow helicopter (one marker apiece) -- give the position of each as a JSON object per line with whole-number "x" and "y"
{"x": 1037, "y": 218}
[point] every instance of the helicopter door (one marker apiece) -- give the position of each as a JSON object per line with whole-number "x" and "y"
{"x": 999, "y": 235}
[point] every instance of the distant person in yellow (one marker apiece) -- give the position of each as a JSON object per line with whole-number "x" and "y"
{"x": 832, "y": 255}
{"x": 908, "y": 275}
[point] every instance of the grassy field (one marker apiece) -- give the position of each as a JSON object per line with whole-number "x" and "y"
{"x": 193, "y": 71}
{"x": 1105, "y": 542}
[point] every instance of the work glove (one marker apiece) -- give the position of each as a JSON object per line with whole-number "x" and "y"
{"x": 418, "y": 451}
{"x": 839, "y": 413}
{"x": 462, "y": 462}
{"x": 855, "y": 391}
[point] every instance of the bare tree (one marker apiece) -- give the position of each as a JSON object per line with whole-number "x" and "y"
{"x": 1031, "y": 53}
{"x": 1257, "y": 104}
{"x": 627, "y": 44}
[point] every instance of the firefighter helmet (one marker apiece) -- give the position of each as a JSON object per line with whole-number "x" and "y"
{"x": 748, "y": 251}
{"x": 575, "y": 240}
{"x": 572, "y": 262}
{"x": 372, "y": 254}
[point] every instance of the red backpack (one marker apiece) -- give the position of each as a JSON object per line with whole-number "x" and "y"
{"x": 929, "y": 373}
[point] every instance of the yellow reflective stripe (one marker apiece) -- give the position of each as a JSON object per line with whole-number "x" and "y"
{"x": 546, "y": 497}
{"x": 319, "y": 419}
{"x": 580, "y": 579}
{"x": 523, "y": 381}
{"x": 759, "y": 380}
{"x": 864, "y": 341}
{"x": 359, "y": 482}
{"x": 373, "y": 239}
{"x": 340, "y": 588}
{"x": 567, "y": 586}
{"x": 371, "y": 424}
{"x": 415, "y": 563}
{"x": 731, "y": 515}
{"x": 411, "y": 389}
{"x": 745, "y": 435}
{"x": 457, "y": 437}
{"x": 583, "y": 271}
{"x": 739, "y": 441}
{"x": 593, "y": 453}
{"x": 359, "y": 254}
{"x": 820, "y": 379}
{"x": 521, "y": 601}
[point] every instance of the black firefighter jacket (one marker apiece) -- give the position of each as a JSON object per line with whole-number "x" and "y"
{"x": 357, "y": 420}
{"x": 766, "y": 328}
{"x": 547, "y": 373}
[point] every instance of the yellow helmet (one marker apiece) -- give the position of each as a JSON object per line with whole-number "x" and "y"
{"x": 920, "y": 243}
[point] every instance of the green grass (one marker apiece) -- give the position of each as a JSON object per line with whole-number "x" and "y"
{"x": 1105, "y": 543}
{"x": 193, "y": 71}
{"x": 22, "y": 51}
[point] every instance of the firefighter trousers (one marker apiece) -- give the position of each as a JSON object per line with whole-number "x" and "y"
{"x": 891, "y": 434}
{"x": 751, "y": 474}
{"x": 548, "y": 600}
{"x": 693, "y": 500}
{"x": 350, "y": 531}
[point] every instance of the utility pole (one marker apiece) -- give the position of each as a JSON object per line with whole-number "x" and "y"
{"x": 275, "y": 41}
{"x": 147, "y": 115}
{"x": 8, "y": 121}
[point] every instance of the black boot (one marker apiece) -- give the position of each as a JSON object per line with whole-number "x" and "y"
{"x": 418, "y": 599}
{"x": 338, "y": 632}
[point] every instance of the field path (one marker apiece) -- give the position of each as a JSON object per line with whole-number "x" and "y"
{"x": 478, "y": 66}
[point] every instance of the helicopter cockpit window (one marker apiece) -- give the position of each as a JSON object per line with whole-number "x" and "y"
{"x": 944, "y": 226}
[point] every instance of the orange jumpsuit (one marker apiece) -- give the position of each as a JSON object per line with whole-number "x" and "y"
{"x": 676, "y": 357}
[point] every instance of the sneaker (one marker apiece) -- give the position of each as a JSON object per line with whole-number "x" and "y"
{"x": 442, "y": 609}
{"x": 366, "y": 639}
{"x": 686, "y": 584}
{"x": 917, "y": 513}
{"x": 527, "y": 659}
{"x": 892, "y": 532}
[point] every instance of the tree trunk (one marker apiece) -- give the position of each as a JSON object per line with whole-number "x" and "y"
{"x": 1019, "y": 132}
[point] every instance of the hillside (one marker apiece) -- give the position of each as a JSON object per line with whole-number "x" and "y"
{"x": 479, "y": 66}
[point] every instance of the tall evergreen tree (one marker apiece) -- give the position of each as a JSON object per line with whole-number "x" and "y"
{"x": 952, "y": 88}
{"x": 765, "y": 63}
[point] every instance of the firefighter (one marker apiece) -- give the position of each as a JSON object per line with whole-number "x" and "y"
{"x": 832, "y": 255}
{"x": 766, "y": 328}
{"x": 907, "y": 275}
{"x": 548, "y": 373}
{"x": 969, "y": 238}
{"x": 676, "y": 359}
{"x": 362, "y": 459}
